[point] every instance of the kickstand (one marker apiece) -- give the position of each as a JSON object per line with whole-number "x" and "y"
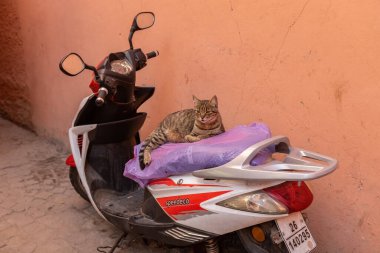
{"x": 100, "y": 249}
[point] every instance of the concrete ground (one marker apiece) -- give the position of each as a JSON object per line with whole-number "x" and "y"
{"x": 39, "y": 210}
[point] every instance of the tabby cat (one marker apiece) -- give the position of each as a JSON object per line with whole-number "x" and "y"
{"x": 188, "y": 125}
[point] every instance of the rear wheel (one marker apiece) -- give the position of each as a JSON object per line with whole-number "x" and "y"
{"x": 77, "y": 183}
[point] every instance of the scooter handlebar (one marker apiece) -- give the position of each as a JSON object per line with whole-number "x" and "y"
{"x": 102, "y": 93}
{"x": 152, "y": 54}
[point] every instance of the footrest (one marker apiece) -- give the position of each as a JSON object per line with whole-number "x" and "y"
{"x": 118, "y": 204}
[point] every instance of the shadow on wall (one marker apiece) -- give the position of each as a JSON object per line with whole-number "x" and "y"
{"x": 14, "y": 100}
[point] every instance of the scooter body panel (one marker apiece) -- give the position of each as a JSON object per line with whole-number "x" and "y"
{"x": 80, "y": 153}
{"x": 192, "y": 201}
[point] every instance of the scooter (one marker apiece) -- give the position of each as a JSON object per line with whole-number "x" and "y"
{"x": 258, "y": 208}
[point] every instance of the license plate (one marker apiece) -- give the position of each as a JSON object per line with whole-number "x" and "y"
{"x": 295, "y": 233}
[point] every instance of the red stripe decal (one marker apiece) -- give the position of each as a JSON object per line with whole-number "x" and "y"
{"x": 186, "y": 204}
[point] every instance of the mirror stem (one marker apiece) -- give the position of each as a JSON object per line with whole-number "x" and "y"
{"x": 130, "y": 39}
{"x": 94, "y": 70}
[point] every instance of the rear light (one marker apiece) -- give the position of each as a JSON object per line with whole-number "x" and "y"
{"x": 294, "y": 195}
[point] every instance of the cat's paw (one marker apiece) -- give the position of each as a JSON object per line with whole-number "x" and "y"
{"x": 147, "y": 158}
{"x": 191, "y": 138}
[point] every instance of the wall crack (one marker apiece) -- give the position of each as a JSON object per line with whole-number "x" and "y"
{"x": 285, "y": 37}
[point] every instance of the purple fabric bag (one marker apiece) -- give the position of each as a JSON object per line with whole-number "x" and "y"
{"x": 180, "y": 158}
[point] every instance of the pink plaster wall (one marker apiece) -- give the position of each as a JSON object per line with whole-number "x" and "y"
{"x": 15, "y": 98}
{"x": 307, "y": 68}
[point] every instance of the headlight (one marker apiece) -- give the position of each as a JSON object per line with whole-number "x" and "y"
{"x": 255, "y": 202}
{"x": 121, "y": 66}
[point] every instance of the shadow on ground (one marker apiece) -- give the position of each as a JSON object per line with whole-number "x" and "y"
{"x": 39, "y": 210}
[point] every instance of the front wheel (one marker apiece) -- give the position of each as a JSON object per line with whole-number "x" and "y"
{"x": 77, "y": 183}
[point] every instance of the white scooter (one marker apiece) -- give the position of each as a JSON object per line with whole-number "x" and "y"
{"x": 256, "y": 208}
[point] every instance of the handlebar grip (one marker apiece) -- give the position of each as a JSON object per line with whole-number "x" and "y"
{"x": 152, "y": 54}
{"x": 102, "y": 93}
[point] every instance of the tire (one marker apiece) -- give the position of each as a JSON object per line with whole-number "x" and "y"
{"x": 77, "y": 183}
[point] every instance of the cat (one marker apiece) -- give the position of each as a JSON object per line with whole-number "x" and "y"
{"x": 189, "y": 125}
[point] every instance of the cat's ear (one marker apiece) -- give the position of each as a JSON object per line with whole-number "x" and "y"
{"x": 214, "y": 101}
{"x": 195, "y": 100}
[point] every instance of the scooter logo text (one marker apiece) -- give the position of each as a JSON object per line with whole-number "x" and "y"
{"x": 178, "y": 202}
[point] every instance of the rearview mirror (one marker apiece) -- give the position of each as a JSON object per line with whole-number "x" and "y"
{"x": 144, "y": 20}
{"x": 72, "y": 64}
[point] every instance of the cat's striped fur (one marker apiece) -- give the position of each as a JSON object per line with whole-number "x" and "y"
{"x": 188, "y": 125}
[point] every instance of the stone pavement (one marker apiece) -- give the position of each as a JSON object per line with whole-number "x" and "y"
{"x": 39, "y": 210}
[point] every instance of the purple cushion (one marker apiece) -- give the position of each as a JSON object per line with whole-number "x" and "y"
{"x": 180, "y": 158}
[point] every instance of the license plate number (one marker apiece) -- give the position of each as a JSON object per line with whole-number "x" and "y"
{"x": 295, "y": 233}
